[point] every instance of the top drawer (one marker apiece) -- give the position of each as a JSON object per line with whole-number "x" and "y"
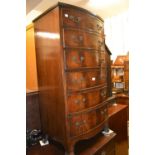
{"x": 78, "y": 19}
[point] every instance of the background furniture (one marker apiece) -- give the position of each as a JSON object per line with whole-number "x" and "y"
{"x": 98, "y": 145}
{"x": 120, "y": 74}
{"x": 73, "y": 67}
{"x": 31, "y": 70}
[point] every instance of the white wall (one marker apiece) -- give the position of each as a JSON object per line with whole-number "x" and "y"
{"x": 117, "y": 34}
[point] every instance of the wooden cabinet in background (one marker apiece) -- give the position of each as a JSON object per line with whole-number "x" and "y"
{"x": 126, "y": 75}
{"x": 120, "y": 74}
{"x": 73, "y": 74}
{"x": 31, "y": 70}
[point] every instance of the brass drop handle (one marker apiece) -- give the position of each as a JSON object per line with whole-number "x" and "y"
{"x": 102, "y": 112}
{"x": 84, "y": 121}
{"x": 78, "y": 39}
{"x": 74, "y": 59}
{"x": 82, "y": 79}
{"x": 78, "y": 80}
{"x": 82, "y": 58}
{"x": 74, "y": 19}
{"x": 77, "y": 19}
{"x": 77, "y": 124}
{"x": 102, "y": 93}
{"x": 103, "y": 153}
{"x": 84, "y": 99}
{"x": 77, "y": 101}
{"x": 100, "y": 43}
{"x": 99, "y": 27}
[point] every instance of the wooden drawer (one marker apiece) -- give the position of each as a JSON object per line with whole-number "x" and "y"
{"x": 78, "y": 19}
{"x": 83, "y": 122}
{"x": 85, "y": 79}
{"x": 83, "y": 58}
{"x": 80, "y": 101}
{"x": 81, "y": 39}
{"x": 102, "y": 114}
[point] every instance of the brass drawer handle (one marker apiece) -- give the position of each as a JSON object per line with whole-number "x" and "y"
{"x": 78, "y": 81}
{"x": 99, "y": 27}
{"x": 77, "y": 101}
{"x": 84, "y": 99}
{"x": 74, "y": 59}
{"x": 102, "y": 94}
{"x": 77, "y": 124}
{"x": 103, "y": 153}
{"x": 84, "y": 121}
{"x": 101, "y": 43}
{"x": 82, "y": 79}
{"x": 102, "y": 112}
{"x": 75, "y": 19}
{"x": 82, "y": 58}
{"x": 77, "y": 39}
{"x": 80, "y": 38}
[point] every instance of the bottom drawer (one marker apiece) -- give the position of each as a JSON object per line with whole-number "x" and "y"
{"x": 85, "y": 121}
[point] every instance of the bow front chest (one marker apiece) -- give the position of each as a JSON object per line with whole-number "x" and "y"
{"x": 73, "y": 68}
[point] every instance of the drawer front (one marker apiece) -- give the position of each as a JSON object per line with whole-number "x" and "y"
{"x": 102, "y": 114}
{"x": 80, "y": 101}
{"x": 74, "y": 38}
{"x": 83, "y": 58}
{"x": 84, "y": 79}
{"x": 78, "y": 19}
{"x": 82, "y": 123}
{"x": 104, "y": 73}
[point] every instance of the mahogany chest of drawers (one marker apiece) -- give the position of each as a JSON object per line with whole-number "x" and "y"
{"x": 73, "y": 74}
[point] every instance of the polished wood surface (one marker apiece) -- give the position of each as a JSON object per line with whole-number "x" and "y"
{"x": 83, "y": 39}
{"x": 115, "y": 108}
{"x": 118, "y": 122}
{"x": 122, "y": 98}
{"x": 31, "y": 70}
{"x": 98, "y": 145}
{"x": 73, "y": 89}
{"x": 85, "y": 79}
{"x": 50, "y": 75}
{"x": 84, "y": 100}
{"x": 76, "y": 58}
{"x": 73, "y": 17}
